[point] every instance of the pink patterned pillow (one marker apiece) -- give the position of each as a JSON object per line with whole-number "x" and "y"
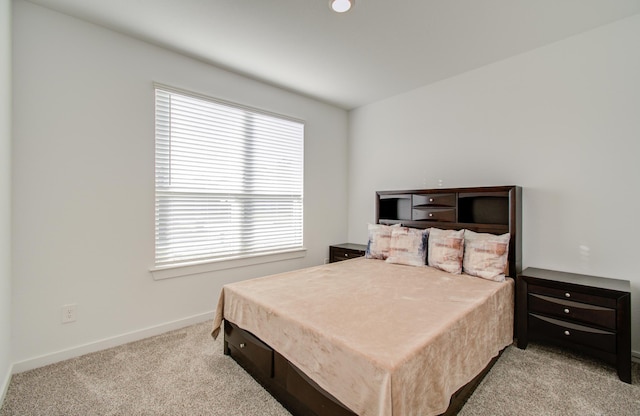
{"x": 379, "y": 241}
{"x": 445, "y": 249}
{"x": 408, "y": 246}
{"x": 485, "y": 255}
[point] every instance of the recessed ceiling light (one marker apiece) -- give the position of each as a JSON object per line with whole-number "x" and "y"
{"x": 341, "y": 6}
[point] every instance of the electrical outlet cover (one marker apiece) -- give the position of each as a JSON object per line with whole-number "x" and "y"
{"x": 69, "y": 313}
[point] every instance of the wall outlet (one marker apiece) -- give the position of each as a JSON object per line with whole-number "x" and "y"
{"x": 69, "y": 313}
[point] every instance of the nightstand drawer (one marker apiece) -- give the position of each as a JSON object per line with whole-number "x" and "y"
{"x": 577, "y": 311}
{"x": 434, "y": 214}
{"x": 567, "y": 332}
{"x": 569, "y": 293}
{"x": 339, "y": 255}
{"x": 340, "y": 252}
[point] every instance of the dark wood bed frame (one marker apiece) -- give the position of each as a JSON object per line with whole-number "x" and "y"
{"x": 495, "y": 210}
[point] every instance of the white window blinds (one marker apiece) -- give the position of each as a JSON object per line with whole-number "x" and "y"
{"x": 229, "y": 180}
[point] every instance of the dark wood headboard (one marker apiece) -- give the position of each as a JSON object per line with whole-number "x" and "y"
{"x": 491, "y": 209}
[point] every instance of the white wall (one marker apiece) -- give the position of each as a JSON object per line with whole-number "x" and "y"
{"x": 5, "y": 195}
{"x": 562, "y": 121}
{"x": 84, "y": 184}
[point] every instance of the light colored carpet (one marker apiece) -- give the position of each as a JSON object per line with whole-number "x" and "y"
{"x": 181, "y": 372}
{"x": 544, "y": 380}
{"x": 184, "y": 372}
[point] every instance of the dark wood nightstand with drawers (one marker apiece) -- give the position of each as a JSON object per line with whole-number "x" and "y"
{"x": 346, "y": 251}
{"x": 586, "y": 313}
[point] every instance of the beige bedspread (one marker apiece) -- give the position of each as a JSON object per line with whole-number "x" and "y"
{"x": 384, "y": 339}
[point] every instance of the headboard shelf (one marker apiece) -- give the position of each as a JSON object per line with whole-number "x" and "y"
{"x": 395, "y": 207}
{"x": 491, "y": 209}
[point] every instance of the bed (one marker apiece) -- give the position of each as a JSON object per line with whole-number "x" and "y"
{"x": 372, "y": 337}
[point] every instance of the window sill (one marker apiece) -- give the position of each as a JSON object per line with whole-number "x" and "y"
{"x": 168, "y": 272}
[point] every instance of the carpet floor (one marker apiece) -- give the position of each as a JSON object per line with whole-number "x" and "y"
{"x": 184, "y": 372}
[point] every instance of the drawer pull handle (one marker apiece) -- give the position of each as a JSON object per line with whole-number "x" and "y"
{"x": 430, "y": 199}
{"x": 431, "y": 215}
{"x": 567, "y": 333}
{"x": 566, "y": 310}
{"x": 346, "y": 255}
{"x": 242, "y": 345}
{"x": 567, "y": 295}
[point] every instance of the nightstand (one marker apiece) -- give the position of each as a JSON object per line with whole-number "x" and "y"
{"x": 586, "y": 313}
{"x": 346, "y": 251}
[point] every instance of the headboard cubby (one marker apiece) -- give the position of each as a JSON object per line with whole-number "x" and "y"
{"x": 491, "y": 209}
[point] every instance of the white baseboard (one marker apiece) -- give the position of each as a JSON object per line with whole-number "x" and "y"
{"x": 5, "y": 384}
{"x": 66, "y": 354}
{"x": 635, "y": 356}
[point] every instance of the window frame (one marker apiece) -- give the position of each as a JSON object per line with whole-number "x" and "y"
{"x": 167, "y": 269}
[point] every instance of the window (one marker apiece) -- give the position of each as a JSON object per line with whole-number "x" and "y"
{"x": 229, "y": 180}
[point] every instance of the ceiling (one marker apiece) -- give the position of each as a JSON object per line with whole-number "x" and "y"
{"x": 376, "y": 50}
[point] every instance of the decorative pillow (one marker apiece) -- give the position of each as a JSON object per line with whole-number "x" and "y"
{"x": 445, "y": 249}
{"x": 379, "y": 241}
{"x": 485, "y": 255}
{"x": 408, "y": 246}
